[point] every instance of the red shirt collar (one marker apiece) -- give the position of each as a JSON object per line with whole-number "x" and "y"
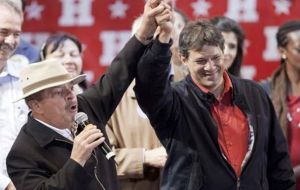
{"x": 228, "y": 88}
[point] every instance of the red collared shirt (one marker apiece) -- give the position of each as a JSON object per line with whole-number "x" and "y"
{"x": 232, "y": 126}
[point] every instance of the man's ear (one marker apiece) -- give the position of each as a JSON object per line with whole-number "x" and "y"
{"x": 35, "y": 106}
{"x": 183, "y": 59}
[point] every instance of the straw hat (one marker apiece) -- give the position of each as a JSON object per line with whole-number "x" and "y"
{"x": 45, "y": 74}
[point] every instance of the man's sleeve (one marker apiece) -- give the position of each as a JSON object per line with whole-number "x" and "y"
{"x": 153, "y": 88}
{"x": 33, "y": 176}
{"x": 130, "y": 160}
{"x": 106, "y": 94}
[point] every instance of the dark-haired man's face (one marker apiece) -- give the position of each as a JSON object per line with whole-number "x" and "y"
{"x": 206, "y": 66}
{"x": 58, "y": 106}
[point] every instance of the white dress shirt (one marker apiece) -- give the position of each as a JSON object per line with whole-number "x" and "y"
{"x": 12, "y": 115}
{"x": 63, "y": 132}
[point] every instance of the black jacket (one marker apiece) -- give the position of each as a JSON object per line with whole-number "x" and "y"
{"x": 180, "y": 114}
{"x": 40, "y": 158}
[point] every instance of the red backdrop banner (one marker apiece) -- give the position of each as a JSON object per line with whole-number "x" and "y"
{"x": 103, "y": 26}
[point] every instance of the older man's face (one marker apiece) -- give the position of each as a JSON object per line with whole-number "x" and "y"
{"x": 58, "y": 106}
{"x": 10, "y": 29}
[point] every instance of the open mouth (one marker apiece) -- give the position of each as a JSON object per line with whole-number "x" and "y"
{"x": 73, "y": 108}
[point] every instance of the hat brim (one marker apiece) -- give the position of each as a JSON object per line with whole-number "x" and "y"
{"x": 74, "y": 80}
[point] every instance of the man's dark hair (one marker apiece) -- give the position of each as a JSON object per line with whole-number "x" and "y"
{"x": 36, "y": 96}
{"x": 197, "y": 34}
{"x": 225, "y": 24}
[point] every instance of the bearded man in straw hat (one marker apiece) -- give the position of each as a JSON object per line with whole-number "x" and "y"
{"x": 45, "y": 155}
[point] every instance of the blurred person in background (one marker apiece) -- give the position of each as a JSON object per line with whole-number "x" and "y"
{"x": 234, "y": 37}
{"x": 284, "y": 89}
{"x": 67, "y": 49}
{"x": 180, "y": 70}
{"x": 12, "y": 115}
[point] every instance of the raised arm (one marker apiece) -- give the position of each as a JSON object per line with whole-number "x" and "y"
{"x": 109, "y": 89}
{"x": 153, "y": 89}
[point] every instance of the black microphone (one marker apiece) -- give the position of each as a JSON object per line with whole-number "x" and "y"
{"x": 82, "y": 121}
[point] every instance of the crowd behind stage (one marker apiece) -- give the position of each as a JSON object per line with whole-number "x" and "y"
{"x": 172, "y": 111}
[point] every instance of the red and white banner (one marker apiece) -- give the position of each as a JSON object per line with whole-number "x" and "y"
{"x": 103, "y": 26}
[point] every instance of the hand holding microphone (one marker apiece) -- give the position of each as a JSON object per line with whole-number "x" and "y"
{"x": 85, "y": 143}
{"x": 82, "y": 121}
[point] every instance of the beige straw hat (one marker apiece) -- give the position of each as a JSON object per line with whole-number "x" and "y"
{"x": 45, "y": 74}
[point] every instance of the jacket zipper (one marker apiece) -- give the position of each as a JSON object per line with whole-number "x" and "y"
{"x": 238, "y": 180}
{"x": 96, "y": 165}
{"x": 238, "y": 183}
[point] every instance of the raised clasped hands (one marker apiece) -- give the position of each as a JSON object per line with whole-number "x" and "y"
{"x": 156, "y": 13}
{"x": 165, "y": 22}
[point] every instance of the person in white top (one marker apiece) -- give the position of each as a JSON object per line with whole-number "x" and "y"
{"x": 12, "y": 116}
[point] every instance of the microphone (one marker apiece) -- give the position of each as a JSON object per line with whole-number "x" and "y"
{"x": 81, "y": 119}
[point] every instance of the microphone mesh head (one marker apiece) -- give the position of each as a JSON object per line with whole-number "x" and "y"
{"x": 81, "y": 117}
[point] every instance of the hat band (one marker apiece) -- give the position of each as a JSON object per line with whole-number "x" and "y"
{"x": 46, "y": 82}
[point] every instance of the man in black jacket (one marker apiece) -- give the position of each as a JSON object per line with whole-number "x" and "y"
{"x": 45, "y": 154}
{"x": 220, "y": 132}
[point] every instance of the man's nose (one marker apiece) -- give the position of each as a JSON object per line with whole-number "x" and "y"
{"x": 210, "y": 65}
